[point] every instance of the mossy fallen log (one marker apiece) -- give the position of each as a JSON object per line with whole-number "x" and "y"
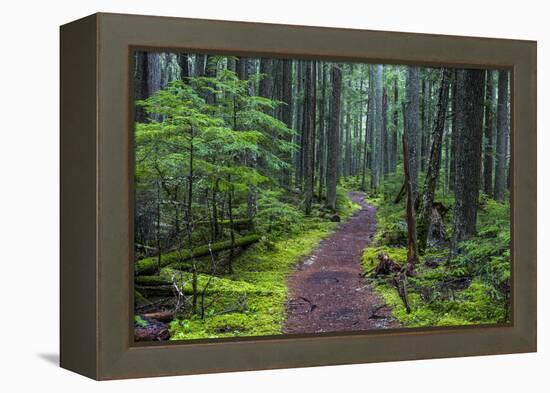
{"x": 149, "y": 265}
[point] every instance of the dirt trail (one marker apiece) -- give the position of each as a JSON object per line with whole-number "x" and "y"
{"x": 327, "y": 292}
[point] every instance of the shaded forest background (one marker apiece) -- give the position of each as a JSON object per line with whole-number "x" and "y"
{"x": 243, "y": 164}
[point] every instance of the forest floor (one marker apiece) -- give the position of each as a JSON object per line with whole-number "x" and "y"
{"x": 327, "y": 291}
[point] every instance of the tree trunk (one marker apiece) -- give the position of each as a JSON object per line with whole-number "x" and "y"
{"x": 322, "y": 138}
{"x": 242, "y": 68}
{"x": 183, "y": 62}
{"x": 395, "y": 125}
{"x": 412, "y": 248}
{"x": 333, "y": 136}
{"x": 153, "y": 73}
{"x": 426, "y": 124}
{"x": 287, "y": 113}
{"x": 490, "y": 99}
{"x": 266, "y": 83}
{"x": 454, "y": 130}
{"x": 412, "y": 114}
{"x": 140, "y": 84}
{"x": 503, "y": 128}
{"x": 468, "y": 154}
{"x": 371, "y": 121}
{"x": 231, "y": 226}
{"x": 347, "y": 164}
{"x": 368, "y": 132}
{"x": 309, "y": 134}
{"x": 200, "y": 65}
{"x": 386, "y": 135}
{"x": 157, "y": 232}
{"x": 434, "y": 164}
{"x": 189, "y": 219}
{"x": 299, "y": 136}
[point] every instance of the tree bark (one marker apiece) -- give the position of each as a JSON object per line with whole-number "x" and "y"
{"x": 434, "y": 164}
{"x": 242, "y": 68}
{"x": 386, "y": 140}
{"x": 412, "y": 247}
{"x": 454, "y": 130}
{"x": 309, "y": 132}
{"x": 367, "y": 141}
{"x": 412, "y": 114}
{"x": 287, "y": 112}
{"x": 395, "y": 126}
{"x": 333, "y": 136}
{"x": 266, "y": 83}
{"x": 200, "y": 65}
{"x": 370, "y": 121}
{"x": 490, "y": 99}
{"x": 140, "y": 84}
{"x": 183, "y": 62}
{"x": 322, "y": 148}
{"x": 503, "y": 129}
{"x": 468, "y": 154}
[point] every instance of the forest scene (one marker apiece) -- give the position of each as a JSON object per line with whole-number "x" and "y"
{"x": 285, "y": 196}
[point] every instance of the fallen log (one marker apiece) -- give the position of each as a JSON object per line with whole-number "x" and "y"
{"x": 158, "y": 286}
{"x": 161, "y": 316}
{"x": 149, "y": 265}
{"x": 152, "y": 281}
{"x": 158, "y": 291}
{"x": 151, "y": 330}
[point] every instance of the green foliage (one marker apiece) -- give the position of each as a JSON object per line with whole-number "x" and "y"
{"x": 488, "y": 253}
{"x": 149, "y": 265}
{"x": 251, "y": 301}
{"x": 189, "y": 134}
{"x": 470, "y": 288}
{"x": 369, "y": 257}
{"x": 276, "y": 217}
{"x": 139, "y": 321}
{"x": 473, "y": 305}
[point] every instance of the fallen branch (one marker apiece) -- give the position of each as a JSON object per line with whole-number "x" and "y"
{"x": 161, "y": 316}
{"x": 400, "y": 281}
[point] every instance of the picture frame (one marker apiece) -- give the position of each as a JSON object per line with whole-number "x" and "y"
{"x": 96, "y": 263}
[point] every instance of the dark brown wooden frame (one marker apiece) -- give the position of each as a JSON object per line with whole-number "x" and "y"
{"x": 96, "y": 196}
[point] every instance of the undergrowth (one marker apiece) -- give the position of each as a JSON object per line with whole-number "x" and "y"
{"x": 251, "y": 301}
{"x": 469, "y": 288}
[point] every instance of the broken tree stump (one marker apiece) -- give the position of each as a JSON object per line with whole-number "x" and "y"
{"x": 386, "y": 265}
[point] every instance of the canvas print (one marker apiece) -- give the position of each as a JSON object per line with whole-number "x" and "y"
{"x": 278, "y": 196}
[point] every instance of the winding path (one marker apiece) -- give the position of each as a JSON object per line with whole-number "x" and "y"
{"x": 327, "y": 292}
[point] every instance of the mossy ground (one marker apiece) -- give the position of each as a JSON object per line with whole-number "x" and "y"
{"x": 251, "y": 301}
{"x": 471, "y": 288}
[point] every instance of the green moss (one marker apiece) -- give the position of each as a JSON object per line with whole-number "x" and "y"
{"x": 149, "y": 265}
{"x": 369, "y": 258}
{"x": 251, "y": 301}
{"x": 482, "y": 269}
